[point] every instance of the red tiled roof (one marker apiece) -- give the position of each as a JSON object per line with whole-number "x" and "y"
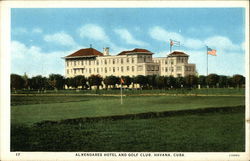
{"x": 86, "y": 52}
{"x": 177, "y": 53}
{"x": 136, "y": 50}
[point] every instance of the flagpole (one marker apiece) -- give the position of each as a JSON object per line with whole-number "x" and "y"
{"x": 170, "y": 46}
{"x": 121, "y": 93}
{"x": 207, "y": 60}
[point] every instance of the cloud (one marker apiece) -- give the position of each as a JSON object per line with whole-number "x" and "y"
{"x": 218, "y": 42}
{"x": 160, "y": 34}
{"x": 243, "y": 46}
{"x": 34, "y": 61}
{"x": 37, "y": 30}
{"x": 128, "y": 38}
{"x": 97, "y": 33}
{"x": 19, "y": 31}
{"x": 220, "y": 64}
{"x": 193, "y": 43}
{"x": 222, "y": 43}
{"x": 216, "y": 64}
{"x": 60, "y": 38}
{"x": 200, "y": 30}
{"x": 94, "y": 32}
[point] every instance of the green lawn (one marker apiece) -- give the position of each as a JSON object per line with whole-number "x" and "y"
{"x": 210, "y": 91}
{"x": 221, "y": 131}
{"x": 29, "y": 110}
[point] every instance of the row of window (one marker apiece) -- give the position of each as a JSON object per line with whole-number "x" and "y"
{"x": 165, "y": 61}
{"x": 99, "y": 62}
{"x": 100, "y": 70}
{"x": 178, "y": 69}
{"x": 190, "y": 69}
{"x": 179, "y": 60}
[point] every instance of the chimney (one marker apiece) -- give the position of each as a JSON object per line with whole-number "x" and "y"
{"x": 106, "y": 51}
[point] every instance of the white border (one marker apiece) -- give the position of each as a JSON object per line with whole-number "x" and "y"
{"x": 5, "y": 7}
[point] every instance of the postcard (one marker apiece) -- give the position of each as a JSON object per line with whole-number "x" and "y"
{"x": 127, "y": 80}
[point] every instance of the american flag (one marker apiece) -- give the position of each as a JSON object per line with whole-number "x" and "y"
{"x": 211, "y": 51}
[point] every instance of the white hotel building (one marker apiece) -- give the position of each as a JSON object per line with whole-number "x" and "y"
{"x": 131, "y": 63}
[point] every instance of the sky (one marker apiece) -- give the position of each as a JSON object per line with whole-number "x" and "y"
{"x": 40, "y": 37}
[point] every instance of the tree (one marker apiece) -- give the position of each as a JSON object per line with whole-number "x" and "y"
{"x": 26, "y": 80}
{"x": 16, "y": 82}
{"x": 38, "y": 82}
{"x": 170, "y": 81}
{"x": 180, "y": 82}
{"x": 80, "y": 80}
{"x": 160, "y": 82}
{"x": 141, "y": 80}
{"x": 57, "y": 81}
{"x": 151, "y": 81}
{"x": 127, "y": 80}
{"x": 223, "y": 81}
{"x": 191, "y": 81}
{"x": 95, "y": 80}
{"x": 202, "y": 80}
{"x": 111, "y": 81}
{"x": 238, "y": 80}
{"x": 212, "y": 80}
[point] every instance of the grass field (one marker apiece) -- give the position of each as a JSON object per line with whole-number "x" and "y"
{"x": 215, "y": 123}
{"x": 221, "y": 131}
{"x": 29, "y": 110}
{"x": 210, "y": 91}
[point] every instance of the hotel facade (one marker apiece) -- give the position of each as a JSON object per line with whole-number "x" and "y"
{"x": 131, "y": 63}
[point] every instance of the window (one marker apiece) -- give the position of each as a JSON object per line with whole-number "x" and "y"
{"x": 148, "y": 68}
{"x": 113, "y": 69}
{"x": 121, "y": 61}
{"x": 133, "y": 68}
{"x": 144, "y": 58}
{"x": 178, "y": 68}
{"x": 105, "y": 70}
{"x": 117, "y": 68}
{"x": 82, "y": 70}
{"x": 166, "y": 62}
{"x": 74, "y": 63}
{"x": 140, "y": 68}
{"x": 82, "y": 62}
{"x": 121, "y": 69}
{"x": 89, "y": 62}
{"x": 67, "y": 63}
{"x": 127, "y": 60}
{"x": 166, "y": 69}
{"x": 89, "y": 70}
{"x": 127, "y": 68}
{"x": 113, "y": 61}
{"x": 97, "y": 62}
{"x": 105, "y": 61}
{"x": 132, "y": 60}
{"x": 67, "y": 71}
{"x": 74, "y": 71}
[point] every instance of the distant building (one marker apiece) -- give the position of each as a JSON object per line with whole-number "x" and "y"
{"x": 131, "y": 63}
